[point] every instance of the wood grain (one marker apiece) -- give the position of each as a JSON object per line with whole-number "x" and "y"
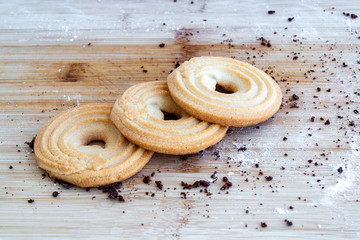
{"x": 54, "y": 56}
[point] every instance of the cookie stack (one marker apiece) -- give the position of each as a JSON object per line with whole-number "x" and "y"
{"x": 189, "y": 112}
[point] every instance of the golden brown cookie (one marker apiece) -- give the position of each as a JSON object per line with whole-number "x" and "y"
{"x": 141, "y": 112}
{"x": 62, "y": 148}
{"x": 224, "y": 91}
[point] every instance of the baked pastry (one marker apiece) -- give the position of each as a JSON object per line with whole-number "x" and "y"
{"x": 62, "y": 148}
{"x": 224, "y": 91}
{"x": 141, "y": 116}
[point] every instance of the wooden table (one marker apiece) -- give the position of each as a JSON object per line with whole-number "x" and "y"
{"x": 57, "y": 55}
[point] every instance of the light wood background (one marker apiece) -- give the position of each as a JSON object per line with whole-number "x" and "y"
{"x": 59, "y": 54}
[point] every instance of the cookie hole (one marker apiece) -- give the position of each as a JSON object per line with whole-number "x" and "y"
{"x": 222, "y": 89}
{"x": 170, "y": 116}
{"x": 99, "y": 143}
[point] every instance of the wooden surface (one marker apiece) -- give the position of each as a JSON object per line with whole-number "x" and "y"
{"x": 56, "y": 55}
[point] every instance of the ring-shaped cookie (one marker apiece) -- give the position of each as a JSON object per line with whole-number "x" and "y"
{"x": 139, "y": 115}
{"x": 62, "y": 148}
{"x": 249, "y": 96}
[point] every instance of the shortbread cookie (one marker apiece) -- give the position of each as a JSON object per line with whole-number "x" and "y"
{"x": 62, "y": 148}
{"x": 224, "y": 91}
{"x": 140, "y": 115}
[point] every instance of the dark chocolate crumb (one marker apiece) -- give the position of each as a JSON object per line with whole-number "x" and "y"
{"x": 111, "y": 190}
{"x": 295, "y": 57}
{"x": 31, "y": 143}
{"x": 213, "y": 176}
{"x": 186, "y": 185}
{"x": 121, "y": 198}
{"x": 31, "y": 200}
{"x": 351, "y": 123}
{"x": 243, "y": 149}
{"x": 55, "y": 194}
{"x": 177, "y": 64}
{"x": 162, "y": 45}
{"x": 291, "y": 207}
{"x": 196, "y": 184}
{"x": 152, "y": 174}
{"x": 294, "y": 105}
{"x": 227, "y": 185}
{"x": 263, "y": 224}
{"x": 152, "y": 195}
{"x": 327, "y": 122}
{"x": 159, "y": 185}
{"x": 285, "y": 138}
{"x": 10, "y": 167}
{"x": 66, "y": 185}
{"x": 202, "y": 183}
{"x": 113, "y": 194}
{"x": 352, "y": 15}
{"x": 312, "y": 119}
{"x": 288, "y": 223}
{"x": 147, "y": 179}
{"x": 271, "y": 11}
{"x": 264, "y": 42}
{"x": 356, "y": 111}
{"x": 295, "y": 97}
{"x": 268, "y": 178}
{"x": 340, "y": 170}
{"x": 117, "y": 185}
{"x": 183, "y": 194}
{"x": 216, "y": 153}
{"x": 225, "y": 179}
{"x": 290, "y": 19}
